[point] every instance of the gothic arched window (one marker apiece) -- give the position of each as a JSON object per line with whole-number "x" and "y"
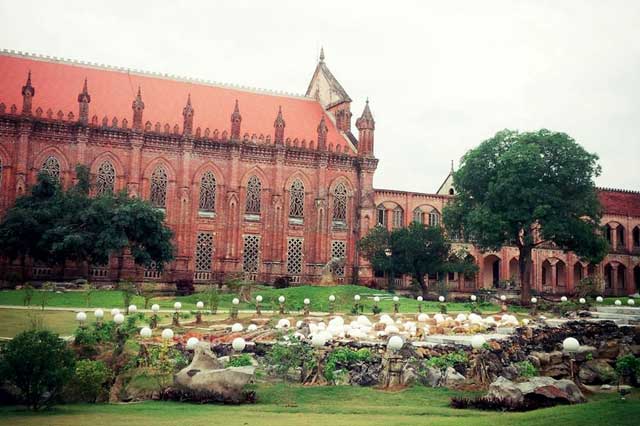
{"x": 398, "y": 217}
{"x": 158, "y": 190}
{"x": 296, "y": 203}
{"x": 417, "y": 215}
{"x": 208, "y": 192}
{"x": 254, "y": 191}
{"x": 434, "y": 218}
{"x": 381, "y": 216}
{"x": 106, "y": 179}
{"x": 51, "y": 166}
{"x": 340, "y": 203}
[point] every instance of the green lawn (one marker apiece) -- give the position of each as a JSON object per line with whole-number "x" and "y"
{"x": 14, "y": 321}
{"x": 339, "y": 405}
{"x": 294, "y": 295}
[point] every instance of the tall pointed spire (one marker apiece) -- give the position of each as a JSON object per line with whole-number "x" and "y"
{"x": 138, "y": 107}
{"x": 451, "y": 166}
{"x": 83, "y": 104}
{"x": 366, "y": 125}
{"x": 279, "y": 125}
{"x": 321, "y": 54}
{"x": 28, "y": 92}
{"x": 187, "y": 114}
{"x": 236, "y": 120}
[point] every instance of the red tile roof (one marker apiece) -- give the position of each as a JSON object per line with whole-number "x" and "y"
{"x": 57, "y": 84}
{"x": 618, "y": 202}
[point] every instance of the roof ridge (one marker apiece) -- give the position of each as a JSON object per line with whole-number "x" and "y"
{"x": 155, "y": 74}
{"x": 625, "y": 191}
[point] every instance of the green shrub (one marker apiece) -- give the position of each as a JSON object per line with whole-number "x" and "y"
{"x": 243, "y": 360}
{"x": 376, "y": 309}
{"x": 212, "y": 296}
{"x": 292, "y": 354}
{"x": 38, "y": 363}
{"x": 90, "y": 378}
{"x": 526, "y": 369}
{"x": 448, "y": 360}
{"x": 629, "y": 366}
{"x": 344, "y": 357}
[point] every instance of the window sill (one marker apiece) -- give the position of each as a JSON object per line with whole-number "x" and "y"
{"x": 296, "y": 221}
{"x": 338, "y": 224}
{"x": 252, "y": 217}
{"x": 205, "y": 213}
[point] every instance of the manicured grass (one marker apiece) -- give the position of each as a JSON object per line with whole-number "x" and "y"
{"x": 338, "y": 405}
{"x": 14, "y": 321}
{"x": 295, "y": 296}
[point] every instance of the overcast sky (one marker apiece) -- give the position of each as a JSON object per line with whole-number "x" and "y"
{"x": 441, "y": 75}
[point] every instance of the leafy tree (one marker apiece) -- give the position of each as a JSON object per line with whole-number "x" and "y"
{"x": 90, "y": 379}
{"x": 38, "y": 363}
{"x": 416, "y": 250}
{"x": 528, "y": 189}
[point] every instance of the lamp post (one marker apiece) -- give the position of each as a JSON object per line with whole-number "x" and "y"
{"x": 121, "y": 336}
{"x": 192, "y": 342}
{"x": 376, "y": 308}
{"x": 238, "y": 344}
{"x": 99, "y": 314}
{"x": 234, "y": 308}
{"x": 81, "y": 317}
{"x": 479, "y": 365}
{"x": 534, "y": 306}
{"x": 419, "y": 299}
{"x": 443, "y": 306}
{"x": 281, "y": 301}
{"x": 563, "y": 299}
{"x": 393, "y": 360}
{"x": 356, "y": 304}
{"x": 176, "y": 315}
{"x": 132, "y": 309}
{"x": 571, "y": 345}
{"x": 388, "y": 253}
{"x": 332, "y": 304}
{"x": 503, "y": 300}
{"x": 199, "y": 307}
{"x": 396, "y": 305}
{"x": 318, "y": 341}
{"x": 155, "y": 308}
{"x": 258, "y": 302}
{"x": 599, "y": 299}
{"x": 306, "y": 303}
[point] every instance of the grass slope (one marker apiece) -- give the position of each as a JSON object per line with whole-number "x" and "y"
{"x": 286, "y": 405}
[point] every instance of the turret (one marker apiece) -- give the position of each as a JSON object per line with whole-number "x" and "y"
{"x": 28, "y": 92}
{"x": 322, "y": 135}
{"x": 366, "y": 126}
{"x": 83, "y": 105}
{"x": 187, "y": 114}
{"x": 279, "y": 125}
{"x": 236, "y": 120}
{"x": 138, "y": 107}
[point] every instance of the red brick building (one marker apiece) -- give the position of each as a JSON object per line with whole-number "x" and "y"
{"x": 265, "y": 183}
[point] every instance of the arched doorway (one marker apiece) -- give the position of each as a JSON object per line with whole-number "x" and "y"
{"x": 561, "y": 274}
{"x": 470, "y": 277}
{"x": 608, "y": 277}
{"x": 546, "y": 276}
{"x": 578, "y": 274}
{"x": 635, "y": 235}
{"x": 622, "y": 278}
{"x": 636, "y": 277}
{"x": 491, "y": 270}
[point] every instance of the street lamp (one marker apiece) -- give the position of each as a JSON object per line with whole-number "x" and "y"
{"x": 478, "y": 341}
{"x": 419, "y": 299}
{"x": 114, "y": 312}
{"x": 388, "y": 253}
{"x": 582, "y": 300}
{"x": 356, "y": 305}
{"x": 534, "y": 306}
{"x": 132, "y": 309}
{"x": 118, "y": 319}
{"x": 81, "y": 317}
{"x": 396, "y": 304}
{"x": 238, "y": 344}
{"x": 258, "y": 302}
{"x": 176, "y": 315}
{"x": 571, "y": 346}
{"x": 167, "y": 334}
{"x": 617, "y": 302}
{"x": 376, "y": 309}
{"x": 503, "y": 299}
{"x": 281, "y": 300}
{"x": 99, "y": 314}
{"x": 631, "y": 302}
{"x": 306, "y": 303}
{"x": 199, "y": 307}
{"x": 237, "y": 327}
{"x": 393, "y": 360}
{"x": 155, "y": 308}
{"x": 599, "y": 299}
{"x": 145, "y": 332}
{"x": 192, "y": 342}
{"x": 234, "y": 308}
{"x": 443, "y": 306}
{"x": 332, "y": 304}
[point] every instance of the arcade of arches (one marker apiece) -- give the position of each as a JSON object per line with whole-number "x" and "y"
{"x": 253, "y": 182}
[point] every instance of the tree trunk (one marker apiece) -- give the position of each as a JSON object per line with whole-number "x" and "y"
{"x": 423, "y": 285}
{"x": 524, "y": 263}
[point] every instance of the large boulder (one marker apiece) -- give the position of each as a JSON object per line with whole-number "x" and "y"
{"x": 205, "y": 379}
{"x": 597, "y": 372}
{"x": 536, "y": 388}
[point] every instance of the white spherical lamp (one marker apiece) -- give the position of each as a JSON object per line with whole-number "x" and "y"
{"x": 396, "y": 299}
{"x": 478, "y": 341}
{"x": 252, "y": 327}
{"x": 145, "y": 332}
{"x": 306, "y": 301}
{"x": 332, "y": 298}
{"x": 200, "y": 305}
{"x": 281, "y": 299}
{"x": 192, "y": 342}
{"x": 503, "y": 297}
{"x": 617, "y": 302}
{"x": 114, "y": 312}
{"x": 563, "y": 299}
{"x": 177, "y": 306}
{"x": 132, "y": 309}
{"x": 419, "y": 299}
{"x": 167, "y": 334}
{"x": 599, "y": 299}
{"x": 582, "y": 300}
{"x": 118, "y": 319}
{"x": 631, "y": 302}
{"x": 441, "y": 299}
{"x": 473, "y": 298}
{"x": 258, "y": 298}
{"x": 98, "y": 313}
{"x": 395, "y": 343}
{"x": 237, "y": 327}
{"x": 376, "y": 299}
{"x": 238, "y": 344}
{"x": 356, "y": 297}
{"x": 155, "y": 308}
{"x": 570, "y": 344}
{"x": 534, "y": 300}
{"x": 81, "y": 317}
{"x": 235, "y": 301}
